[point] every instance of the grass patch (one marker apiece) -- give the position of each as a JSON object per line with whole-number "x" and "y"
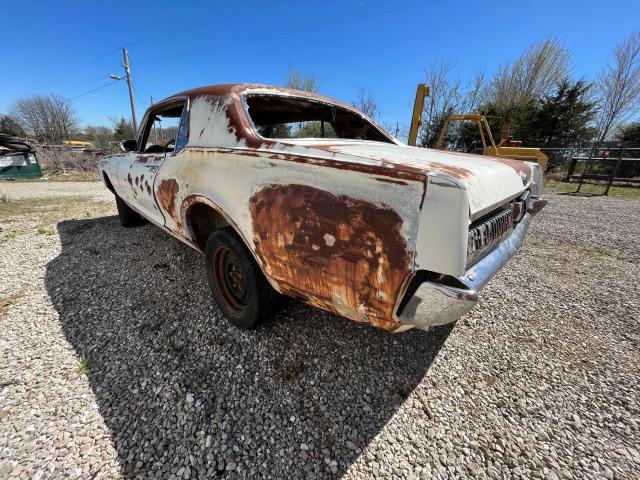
{"x": 41, "y": 215}
{"x": 6, "y": 302}
{"x": 45, "y": 230}
{"x": 53, "y": 209}
{"x": 554, "y": 186}
{"x": 83, "y": 365}
{"x": 594, "y": 252}
{"x": 88, "y": 176}
{"x": 8, "y": 235}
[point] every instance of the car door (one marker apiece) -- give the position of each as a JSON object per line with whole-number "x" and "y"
{"x": 138, "y": 171}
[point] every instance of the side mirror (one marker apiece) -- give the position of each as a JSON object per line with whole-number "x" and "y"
{"x": 128, "y": 145}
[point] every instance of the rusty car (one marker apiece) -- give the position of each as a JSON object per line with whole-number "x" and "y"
{"x": 290, "y": 193}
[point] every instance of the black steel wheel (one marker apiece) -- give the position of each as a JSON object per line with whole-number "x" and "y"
{"x": 128, "y": 217}
{"x": 238, "y": 286}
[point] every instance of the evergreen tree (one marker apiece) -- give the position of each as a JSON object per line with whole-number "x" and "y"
{"x": 10, "y": 125}
{"x": 122, "y": 129}
{"x": 563, "y": 118}
{"x": 630, "y": 134}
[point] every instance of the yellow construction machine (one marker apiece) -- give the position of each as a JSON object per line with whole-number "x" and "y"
{"x": 506, "y": 148}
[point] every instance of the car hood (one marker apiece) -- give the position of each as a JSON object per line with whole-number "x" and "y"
{"x": 489, "y": 181}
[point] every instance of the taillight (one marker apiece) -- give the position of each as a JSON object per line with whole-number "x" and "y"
{"x": 518, "y": 209}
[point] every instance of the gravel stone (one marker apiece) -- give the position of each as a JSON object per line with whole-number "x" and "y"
{"x": 114, "y": 362}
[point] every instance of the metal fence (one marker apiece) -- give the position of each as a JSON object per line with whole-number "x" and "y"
{"x": 606, "y": 163}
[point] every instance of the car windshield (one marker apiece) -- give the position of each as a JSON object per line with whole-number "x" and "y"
{"x": 276, "y": 116}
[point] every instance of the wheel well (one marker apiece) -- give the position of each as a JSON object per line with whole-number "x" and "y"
{"x": 204, "y": 220}
{"x": 107, "y": 182}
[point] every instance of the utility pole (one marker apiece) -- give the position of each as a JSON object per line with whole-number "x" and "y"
{"x": 125, "y": 57}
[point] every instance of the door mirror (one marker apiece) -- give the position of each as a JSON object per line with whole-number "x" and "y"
{"x": 128, "y": 145}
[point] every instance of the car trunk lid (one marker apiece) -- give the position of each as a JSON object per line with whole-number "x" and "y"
{"x": 490, "y": 181}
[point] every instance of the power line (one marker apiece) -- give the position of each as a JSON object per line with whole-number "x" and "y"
{"x": 93, "y": 90}
{"x": 255, "y": 39}
{"x": 141, "y": 87}
{"x": 137, "y": 95}
{"x": 84, "y": 84}
{"x": 191, "y": 26}
{"x": 297, "y": 30}
{"x": 75, "y": 70}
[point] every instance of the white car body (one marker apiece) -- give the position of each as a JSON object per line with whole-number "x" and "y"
{"x": 375, "y": 231}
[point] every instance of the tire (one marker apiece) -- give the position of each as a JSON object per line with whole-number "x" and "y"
{"x": 128, "y": 217}
{"x": 238, "y": 286}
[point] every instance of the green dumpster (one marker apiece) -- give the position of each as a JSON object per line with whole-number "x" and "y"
{"x": 18, "y": 159}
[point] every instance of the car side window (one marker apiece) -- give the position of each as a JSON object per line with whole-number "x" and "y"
{"x": 163, "y": 127}
{"x": 182, "y": 136}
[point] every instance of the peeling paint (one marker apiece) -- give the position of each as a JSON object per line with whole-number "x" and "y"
{"x": 356, "y": 268}
{"x": 166, "y": 196}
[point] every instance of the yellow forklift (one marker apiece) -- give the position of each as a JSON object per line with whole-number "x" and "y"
{"x": 506, "y": 148}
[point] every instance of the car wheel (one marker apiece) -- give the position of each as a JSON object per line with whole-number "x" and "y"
{"x": 128, "y": 217}
{"x": 238, "y": 286}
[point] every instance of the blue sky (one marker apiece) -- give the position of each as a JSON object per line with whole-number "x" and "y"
{"x": 69, "y": 48}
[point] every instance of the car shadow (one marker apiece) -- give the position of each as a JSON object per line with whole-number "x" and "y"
{"x": 178, "y": 386}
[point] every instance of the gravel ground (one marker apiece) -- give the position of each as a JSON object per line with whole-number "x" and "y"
{"x": 45, "y": 189}
{"x": 115, "y": 363}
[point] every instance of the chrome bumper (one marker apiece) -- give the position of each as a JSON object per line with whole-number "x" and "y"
{"x": 436, "y": 304}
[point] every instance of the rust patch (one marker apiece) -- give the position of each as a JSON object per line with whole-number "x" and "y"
{"x": 143, "y": 158}
{"x": 518, "y": 165}
{"x": 341, "y": 254}
{"x": 130, "y": 179}
{"x": 166, "y": 195}
{"x": 405, "y": 173}
{"x": 455, "y": 172}
{"x": 239, "y": 126}
{"x": 148, "y": 187}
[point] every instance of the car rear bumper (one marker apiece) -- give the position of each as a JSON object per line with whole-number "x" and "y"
{"x": 436, "y": 303}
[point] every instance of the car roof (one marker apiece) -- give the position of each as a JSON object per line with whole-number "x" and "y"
{"x": 238, "y": 88}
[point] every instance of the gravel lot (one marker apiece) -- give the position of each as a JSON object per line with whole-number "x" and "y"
{"x": 44, "y": 189}
{"x": 114, "y": 362}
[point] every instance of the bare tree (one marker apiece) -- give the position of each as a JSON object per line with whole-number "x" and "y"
{"x": 49, "y": 118}
{"x": 366, "y": 102}
{"x": 447, "y": 96}
{"x": 618, "y": 87}
{"x": 298, "y": 81}
{"x": 444, "y": 94}
{"x": 474, "y": 94}
{"x": 533, "y": 75}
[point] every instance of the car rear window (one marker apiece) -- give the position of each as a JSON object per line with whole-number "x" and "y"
{"x": 279, "y": 116}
